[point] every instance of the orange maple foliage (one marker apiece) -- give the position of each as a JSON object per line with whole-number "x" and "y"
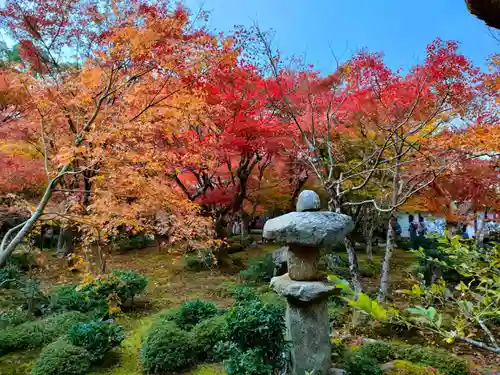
{"x": 103, "y": 123}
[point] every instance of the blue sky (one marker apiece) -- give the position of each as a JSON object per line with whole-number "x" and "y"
{"x": 400, "y": 29}
{"x": 313, "y": 29}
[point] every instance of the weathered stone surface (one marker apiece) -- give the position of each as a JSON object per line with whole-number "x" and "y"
{"x": 336, "y": 371}
{"x": 280, "y": 258}
{"x": 308, "y": 200}
{"x": 303, "y": 291}
{"x": 315, "y": 229}
{"x": 303, "y": 263}
{"x": 309, "y": 334}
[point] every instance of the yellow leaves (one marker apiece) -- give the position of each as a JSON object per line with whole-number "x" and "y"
{"x": 228, "y": 43}
{"x": 19, "y": 148}
{"x": 142, "y": 40}
{"x": 91, "y": 77}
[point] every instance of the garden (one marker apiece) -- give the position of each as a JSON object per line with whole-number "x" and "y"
{"x": 179, "y": 200}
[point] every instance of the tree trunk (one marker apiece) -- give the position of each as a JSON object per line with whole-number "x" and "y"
{"x": 6, "y": 247}
{"x": 353, "y": 265}
{"x": 369, "y": 246}
{"x": 334, "y": 206}
{"x": 370, "y": 223}
{"x": 65, "y": 242}
{"x": 384, "y": 279}
{"x": 245, "y": 225}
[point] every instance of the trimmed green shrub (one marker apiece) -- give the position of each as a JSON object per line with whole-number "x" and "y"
{"x": 68, "y": 298}
{"x": 206, "y": 335}
{"x": 125, "y": 241}
{"x": 125, "y": 284}
{"x": 336, "y": 314}
{"x": 14, "y": 317}
{"x": 274, "y": 299}
{"x": 203, "y": 259}
{"x": 440, "y": 359}
{"x": 166, "y": 348}
{"x": 369, "y": 270}
{"x": 31, "y": 297}
{"x": 338, "y": 351}
{"x": 355, "y": 363}
{"x": 35, "y": 334}
{"x": 168, "y": 315}
{"x": 243, "y": 292}
{"x": 380, "y": 351}
{"x": 121, "y": 284}
{"x": 62, "y": 358}
{"x": 253, "y": 325}
{"x": 96, "y": 337}
{"x": 194, "y": 312}
{"x": 246, "y": 362}
{"x": 259, "y": 269}
{"x": 129, "y": 283}
{"x": 408, "y": 368}
{"x": 9, "y": 276}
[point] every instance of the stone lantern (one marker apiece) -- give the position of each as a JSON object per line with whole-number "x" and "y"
{"x": 306, "y": 290}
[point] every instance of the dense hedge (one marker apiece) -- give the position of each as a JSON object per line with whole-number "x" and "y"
{"x": 62, "y": 358}
{"x": 166, "y": 348}
{"x": 37, "y": 333}
{"x": 439, "y": 359}
{"x": 97, "y": 337}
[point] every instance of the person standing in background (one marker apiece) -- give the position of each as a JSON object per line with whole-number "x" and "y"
{"x": 421, "y": 229}
{"x": 413, "y": 231}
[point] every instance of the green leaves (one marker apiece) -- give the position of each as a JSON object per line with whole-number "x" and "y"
{"x": 426, "y": 315}
{"x": 369, "y": 306}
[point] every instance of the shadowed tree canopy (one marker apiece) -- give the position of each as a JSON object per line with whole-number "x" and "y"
{"x": 486, "y": 10}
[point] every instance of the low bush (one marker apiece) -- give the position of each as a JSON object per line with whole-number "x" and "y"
{"x": 246, "y": 362}
{"x": 168, "y": 315}
{"x": 336, "y": 314}
{"x": 338, "y": 351}
{"x": 69, "y": 298}
{"x": 31, "y": 297}
{"x": 35, "y": 334}
{"x": 380, "y": 351}
{"x": 166, "y": 348}
{"x": 130, "y": 242}
{"x": 275, "y": 299}
{"x": 194, "y": 312}
{"x": 258, "y": 327}
{"x": 206, "y": 335}
{"x": 438, "y": 358}
{"x": 408, "y": 368}
{"x": 259, "y": 269}
{"x": 14, "y": 317}
{"x": 369, "y": 270}
{"x": 9, "y": 276}
{"x": 129, "y": 283}
{"x": 97, "y": 337}
{"x": 120, "y": 285}
{"x": 355, "y": 363}
{"x": 62, "y": 358}
{"x": 243, "y": 292}
{"x": 203, "y": 259}
{"x": 226, "y": 288}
